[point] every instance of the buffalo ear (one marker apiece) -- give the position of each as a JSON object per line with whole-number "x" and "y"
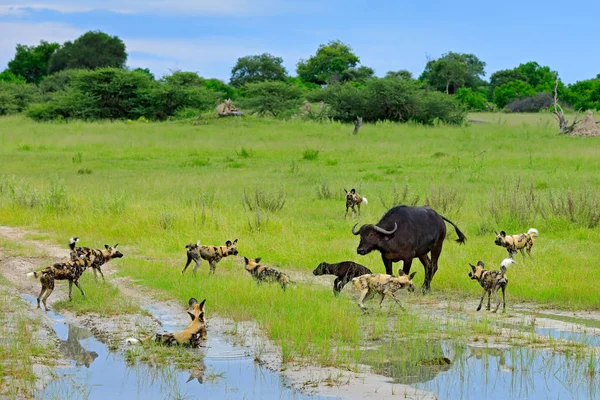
{"x": 257, "y": 260}
{"x": 192, "y": 316}
{"x": 502, "y": 233}
{"x": 412, "y": 275}
{"x": 246, "y": 259}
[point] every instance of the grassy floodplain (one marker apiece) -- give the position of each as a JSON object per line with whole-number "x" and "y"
{"x": 154, "y": 187}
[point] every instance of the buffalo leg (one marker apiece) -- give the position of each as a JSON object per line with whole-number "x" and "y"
{"x": 435, "y": 255}
{"x": 388, "y": 265}
{"x": 428, "y": 268}
{"x": 406, "y": 266}
{"x": 336, "y": 286}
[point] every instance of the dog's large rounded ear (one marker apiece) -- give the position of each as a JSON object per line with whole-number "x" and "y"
{"x": 192, "y": 302}
{"x": 202, "y": 304}
{"x": 352, "y": 191}
{"x": 235, "y": 241}
{"x": 257, "y": 260}
{"x": 473, "y": 267}
{"x": 411, "y": 276}
{"x": 345, "y": 191}
{"x": 228, "y": 243}
{"x": 192, "y": 316}
{"x": 106, "y": 246}
{"x": 502, "y": 233}
{"x": 115, "y": 246}
{"x": 481, "y": 264}
{"x": 246, "y": 259}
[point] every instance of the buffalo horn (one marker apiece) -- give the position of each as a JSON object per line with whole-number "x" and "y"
{"x": 355, "y": 232}
{"x": 381, "y": 230}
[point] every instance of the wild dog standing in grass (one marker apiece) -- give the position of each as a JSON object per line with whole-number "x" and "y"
{"x": 70, "y": 270}
{"x": 262, "y": 273}
{"x": 354, "y": 199}
{"x": 519, "y": 242}
{"x": 382, "y": 284}
{"x": 345, "y": 272}
{"x": 212, "y": 254}
{"x": 491, "y": 281}
{"x": 190, "y": 336}
{"x": 102, "y": 256}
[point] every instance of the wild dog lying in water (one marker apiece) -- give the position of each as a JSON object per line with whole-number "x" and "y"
{"x": 354, "y": 199}
{"x": 102, "y": 256}
{"x": 212, "y": 254}
{"x": 262, "y": 273}
{"x": 382, "y": 284}
{"x": 518, "y": 242}
{"x": 190, "y": 336}
{"x": 345, "y": 272}
{"x": 70, "y": 270}
{"x": 491, "y": 281}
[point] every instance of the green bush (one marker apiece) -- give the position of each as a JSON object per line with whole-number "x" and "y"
{"x": 391, "y": 98}
{"x": 437, "y": 105}
{"x": 472, "y": 101}
{"x": 15, "y": 97}
{"x": 345, "y": 101}
{"x": 278, "y": 99}
{"x": 508, "y": 92}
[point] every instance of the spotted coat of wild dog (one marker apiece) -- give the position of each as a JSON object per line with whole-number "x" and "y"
{"x": 491, "y": 281}
{"x": 70, "y": 270}
{"x": 383, "y": 285}
{"x": 192, "y": 336}
{"x": 102, "y": 256}
{"x": 516, "y": 242}
{"x": 262, "y": 273}
{"x": 344, "y": 271}
{"x": 212, "y": 254}
{"x": 354, "y": 199}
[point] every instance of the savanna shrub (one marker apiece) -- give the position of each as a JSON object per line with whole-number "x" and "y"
{"x": 535, "y": 103}
{"x": 345, "y": 101}
{"x": 278, "y": 99}
{"x": 438, "y": 105}
{"x": 14, "y": 97}
{"x": 391, "y": 98}
{"x": 472, "y": 101}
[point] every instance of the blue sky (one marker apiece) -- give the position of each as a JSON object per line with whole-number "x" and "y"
{"x": 209, "y": 36}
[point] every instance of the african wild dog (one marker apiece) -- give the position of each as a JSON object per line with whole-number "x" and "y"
{"x": 354, "y": 199}
{"x": 491, "y": 281}
{"x": 190, "y": 336}
{"x": 70, "y": 270}
{"x": 382, "y": 284}
{"x": 345, "y": 271}
{"x": 102, "y": 256}
{"x": 262, "y": 273}
{"x": 212, "y": 254}
{"x": 519, "y": 242}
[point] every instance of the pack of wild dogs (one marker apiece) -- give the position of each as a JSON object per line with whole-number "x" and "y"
{"x": 402, "y": 234}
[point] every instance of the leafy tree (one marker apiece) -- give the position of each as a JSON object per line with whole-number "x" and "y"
{"x": 440, "y": 106}
{"x": 346, "y": 101}
{"x": 31, "y": 62}
{"x": 507, "y": 92}
{"x": 401, "y": 74}
{"x": 8, "y": 76}
{"x": 360, "y": 74}
{"x": 328, "y": 64}
{"x": 224, "y": 90}
{"x": 257, "y": 68}
{"x": 501, "y": 77}
{"x": 584, "y": 94}
{"x": 275, "y": 98}
{"x": 91, "y": 50}
{"x": 183, "y": 78}
{"x": 15, "y": 97}
{"x": 146, "y": 71}
{"x": 392, "y": 99}
{"x": 542, "y": 78}
{"x": 59, "y": 81}
{"x": 453, "y": 71}
{"x": 471, "y": 100}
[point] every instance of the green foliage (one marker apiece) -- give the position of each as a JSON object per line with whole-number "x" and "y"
{"x": 92, "y": 50}
{"x": 31, "y": 62}
{"x": 257, "y": 68}
{"x": 221, "y": 87}
{"x": 183, "y": 78}
{"x": 507, "y": 92}
{"x": 15, "y": 97}
{"x": 401, "y": 74}
{"x": 328, "y": 64}
{"x": 584, "y": 94}
{"x": 146, "y": 71}
{"x": 434, "y": 106}
{"x": 471, "y": 100}
{"x": 167, "y": 98}
{"x": 452, "y": 71}
{"x": 360, "y": 74}
{"x": 505, "y": 76}
{"x": 345, "y": 101}
{"x": 59, "y": 81}
{"x": 8, "y": 76}
{"x": 275, "y": 98}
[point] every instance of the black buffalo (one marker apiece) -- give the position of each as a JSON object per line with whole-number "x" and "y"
{"x": 404, "y": 233}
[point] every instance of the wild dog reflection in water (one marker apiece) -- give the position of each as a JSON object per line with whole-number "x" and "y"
{"x": 72, "y": 349}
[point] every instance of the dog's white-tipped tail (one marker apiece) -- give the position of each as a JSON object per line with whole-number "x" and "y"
{"x": 31, "y": 275}
{"x": 533, "y": 232}
{"x": 72, "y": 242}
{"x": 132, "y": 340}
{"x": 365, "y": 200}
{"x": 198, "y": 243}
{"x": 506, "y": 262}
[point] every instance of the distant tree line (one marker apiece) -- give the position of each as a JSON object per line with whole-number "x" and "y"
{"x": 88, "y": 79}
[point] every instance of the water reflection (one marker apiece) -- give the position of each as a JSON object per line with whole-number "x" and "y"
{"x": 72, "y": 348}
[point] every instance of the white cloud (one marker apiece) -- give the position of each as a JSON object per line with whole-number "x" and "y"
{"x": 173, "y": 7}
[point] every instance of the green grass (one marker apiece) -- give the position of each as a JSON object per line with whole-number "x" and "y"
{"x": 19, "y": 348}
{"x": 156, "y": 187}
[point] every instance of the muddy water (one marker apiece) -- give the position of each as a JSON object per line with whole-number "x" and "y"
{"x": 477, "y": 372}
{"x": 227, "y": 371}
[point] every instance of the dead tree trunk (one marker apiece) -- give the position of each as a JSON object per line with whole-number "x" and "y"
{"x": 357, "y": 125}
{"x": 558, "y": 112}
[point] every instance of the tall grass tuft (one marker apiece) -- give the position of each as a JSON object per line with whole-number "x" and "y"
{"x": 264, "y": 201}
{"x": 581, "y": 208}
{"x": 399, "y": 197}
{"x": 513, "y": 202}
{"x": 310, "y": 154}
{"x": 445, "y": 200}
{"x": 324, "y": 192}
